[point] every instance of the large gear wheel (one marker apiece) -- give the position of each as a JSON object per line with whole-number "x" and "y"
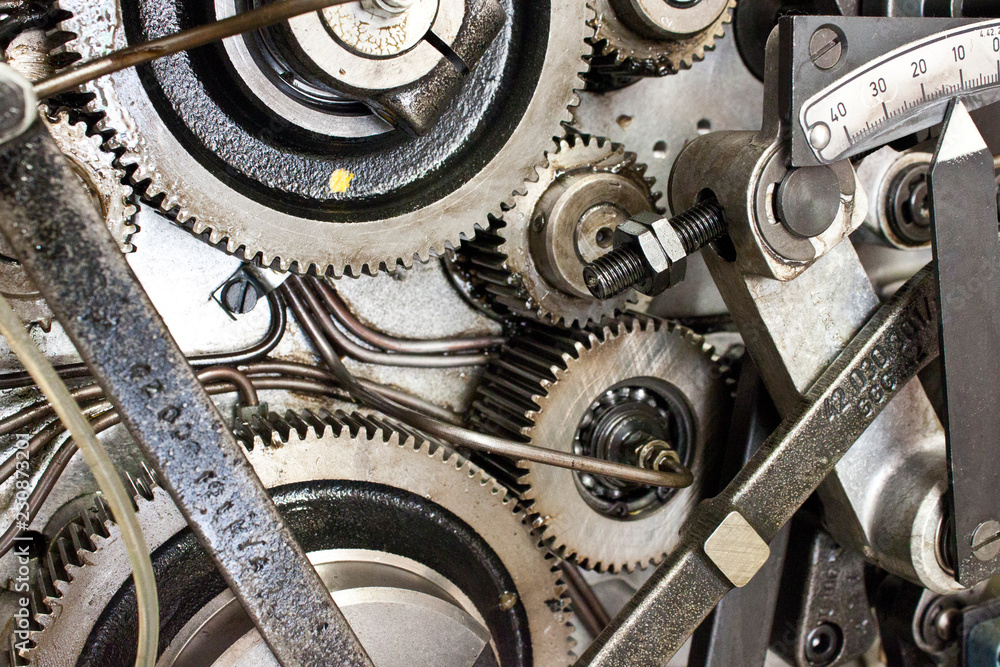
{"x": 103, "y": 180}
{"x": 344, "y": 482}
{"x": 593, "y": 393}
{"x": 531, "y": 260}
{"x": 625, "y": 47}
{"x": 355, "y": 200}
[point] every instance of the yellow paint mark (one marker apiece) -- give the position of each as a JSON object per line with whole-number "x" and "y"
{"x": 340, "y": 180}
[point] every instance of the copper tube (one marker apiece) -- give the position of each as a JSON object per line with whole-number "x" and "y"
{"x": 365, "y": 355}
{"x": 342, "y": 312}
{"x": 320, "y": 375}
{"x": 140, "y": 54}
{"x": 459, "y": 436}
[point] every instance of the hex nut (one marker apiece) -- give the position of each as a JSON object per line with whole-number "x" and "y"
{"x": 660, "y": 247}
{"x": 640, "y": 237}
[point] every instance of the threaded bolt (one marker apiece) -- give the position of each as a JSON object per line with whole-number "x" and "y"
{"x": 614, "y": 273}
{"x": 622, "y": 268}
{"x": 700, "y": 225}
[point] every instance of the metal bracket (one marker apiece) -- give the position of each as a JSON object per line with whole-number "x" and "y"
{"x": 856, "y": 42}
{"x": 888, "y": 352}
{"x": 967, "y": 269}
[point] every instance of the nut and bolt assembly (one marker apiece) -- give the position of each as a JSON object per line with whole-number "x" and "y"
{"x": 655, "y": 454}
{"x": 650, "y": 250}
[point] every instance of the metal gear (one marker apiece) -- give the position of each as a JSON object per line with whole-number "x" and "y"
{"x": 530, "y": 262}
{"x": 604, "y": 393}
{"x": 87, "y": 567}
{"x": 623, "y": 49}
{"x": 96, "y": 169}
{"x": 96, "y": 166}
{"x": 343, "y": 210}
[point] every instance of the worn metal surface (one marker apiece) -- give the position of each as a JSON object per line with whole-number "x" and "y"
{"x": 898, "y": 341}
{"x": 403, "y": 197}
{"x": 866, "y": 39}
{"x": 823, "y": 615}
{"x": 64, "y": 246}
{"x": 340, "y": 458}
{"x": 967, "y": 269}
{"x": 688, "y": 104}
{"x": 887, "y": 492}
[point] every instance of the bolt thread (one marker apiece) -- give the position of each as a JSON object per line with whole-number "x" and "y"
{"x": 700, "y": 225}
{"x": 612, "y": 274}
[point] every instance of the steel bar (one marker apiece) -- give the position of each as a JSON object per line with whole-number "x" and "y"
{"x": 896, "y": 343}
{"x": 298, "y": 296}
{"x": 738, "y": 631}
{"x": 967, "y": 269}
{"x": 50, "y": 221}
{"x": 255, "y": 19}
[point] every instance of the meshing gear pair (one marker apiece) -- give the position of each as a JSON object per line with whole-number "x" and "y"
{"x": 605, "y": 392}
{"x": 530, "y": 262}
{"x": 103, "y": 180}
{"x": 362, "y": 497}
{"x": 298, "y": 177}
{"x": 637, "y": 38}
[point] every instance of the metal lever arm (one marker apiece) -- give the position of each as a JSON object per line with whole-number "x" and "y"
{"x": 727, "y": 535}
{"x": 52, "y": 224}
{"x": 967, "y": 268}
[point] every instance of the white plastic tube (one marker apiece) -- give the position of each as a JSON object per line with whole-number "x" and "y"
{"x": 104, "y": 472}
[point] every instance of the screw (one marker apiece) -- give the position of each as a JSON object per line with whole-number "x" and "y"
{"x": 986, "y": 541}
{"x": 826, "y": 48}
{"x": 823, "y": 644}
{"x": 240, "y": 296}
{"x": 623, "y": 267}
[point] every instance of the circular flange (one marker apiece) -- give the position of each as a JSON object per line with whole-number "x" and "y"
{"x": 344, "y": 481}
{"x": 231, "y": 168}
{"x": 628, "y": 46}
{"x": 542, "y": 389}
{"x": 531, "y": 261}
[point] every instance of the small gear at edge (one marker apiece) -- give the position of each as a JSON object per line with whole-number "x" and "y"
{"x": 530, "y": 262}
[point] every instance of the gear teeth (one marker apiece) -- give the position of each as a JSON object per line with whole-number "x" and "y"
{"x": 70, "y": 550}
{"x": 620, "y": 57}
{"x": 515, "y": 391}
{"x": 498, "y": 260}
{"x": 136, "y": 154}
{"x": 88, "y": 151}
{"x": 78, "y": 544}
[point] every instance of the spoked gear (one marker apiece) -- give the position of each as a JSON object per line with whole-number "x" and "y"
{"x": 343, "y": 481}
{"x": 355, "y": 199}
{"x": 636, "y": 38}
{"x": 102, "y": 179}
{"x": 604, "y": 393}
{"x": 531, "y": 260}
